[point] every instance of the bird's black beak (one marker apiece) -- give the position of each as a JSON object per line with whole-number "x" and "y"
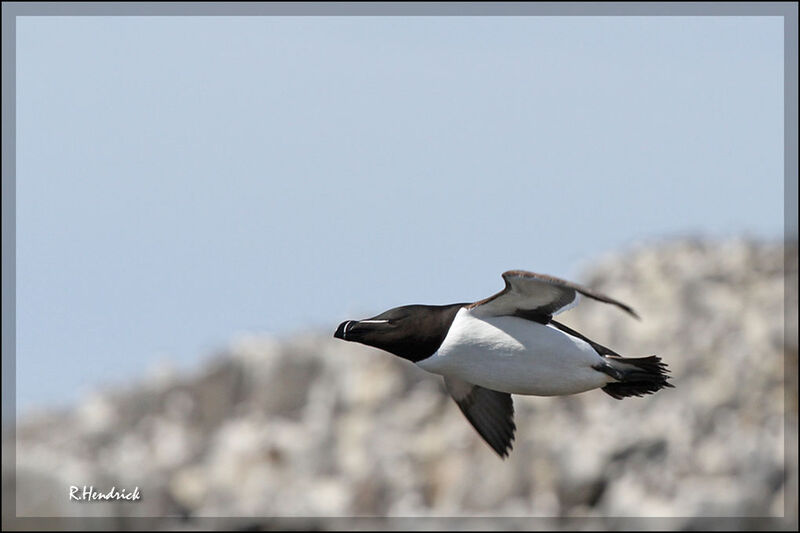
{"x": 341, "y": 331}
{"x": 362, "y": 330}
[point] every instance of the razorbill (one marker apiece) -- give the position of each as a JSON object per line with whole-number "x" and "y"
{"x": 508, "y": 344}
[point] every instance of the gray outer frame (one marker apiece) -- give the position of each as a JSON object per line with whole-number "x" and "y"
{"x": 11, "y": 10}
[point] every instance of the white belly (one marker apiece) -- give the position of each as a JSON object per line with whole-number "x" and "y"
{"x": 515, "y": 355}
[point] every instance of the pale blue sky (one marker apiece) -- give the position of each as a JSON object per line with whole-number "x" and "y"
{"x": 181, "y": 180}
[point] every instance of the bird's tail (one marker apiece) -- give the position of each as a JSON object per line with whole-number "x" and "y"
{"x": 636, "y": 376}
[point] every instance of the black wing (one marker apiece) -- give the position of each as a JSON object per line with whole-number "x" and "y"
{"x": 490, "y": 412}
{"x": 538, "y": 297}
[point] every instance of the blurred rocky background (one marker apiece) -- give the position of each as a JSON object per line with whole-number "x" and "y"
{"x": 318, "y": 428}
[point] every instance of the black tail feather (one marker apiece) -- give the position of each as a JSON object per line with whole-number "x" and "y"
{"x": 637, "y": 376}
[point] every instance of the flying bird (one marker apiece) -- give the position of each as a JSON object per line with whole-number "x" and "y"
{"x": 508, "y": 344}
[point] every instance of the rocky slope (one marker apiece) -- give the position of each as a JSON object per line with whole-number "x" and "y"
{"x": 311, "y": 426}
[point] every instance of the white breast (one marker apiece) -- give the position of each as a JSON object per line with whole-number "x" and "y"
{"x": 515, "y": 355}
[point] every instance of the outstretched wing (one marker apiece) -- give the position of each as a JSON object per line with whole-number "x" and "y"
{"x": 490, "y": 412}
{"x": 538, "y": 297}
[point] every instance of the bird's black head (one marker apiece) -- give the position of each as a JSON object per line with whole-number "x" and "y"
{"x": 413, "y": 332}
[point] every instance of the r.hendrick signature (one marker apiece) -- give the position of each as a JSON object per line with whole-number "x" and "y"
{"x": 88, "y": 494}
